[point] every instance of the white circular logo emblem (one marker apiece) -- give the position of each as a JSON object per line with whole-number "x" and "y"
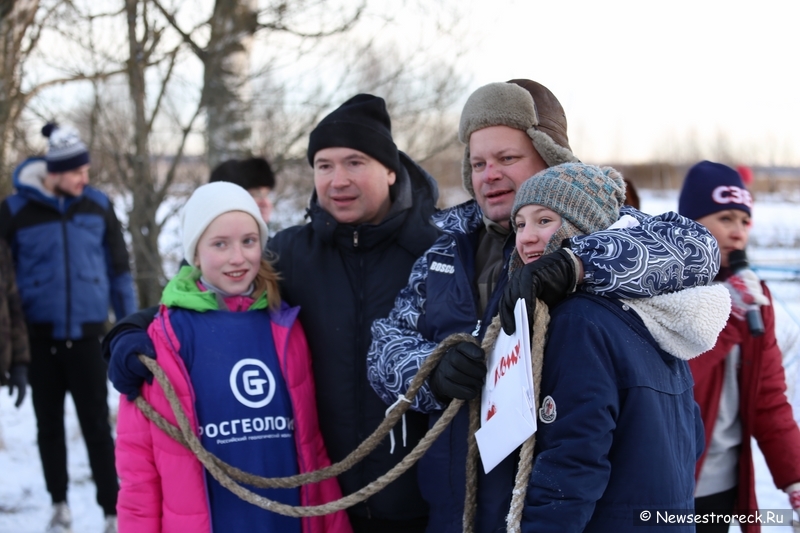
{"x": 255, "y": 375}
{"x": 547, "y": 412}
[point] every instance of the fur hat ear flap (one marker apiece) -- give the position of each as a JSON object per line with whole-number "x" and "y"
{"x": 552, "y": 153}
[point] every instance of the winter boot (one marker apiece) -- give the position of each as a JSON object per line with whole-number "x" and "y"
{"x": 111, "y": 524}
{"x": 62, "y": 519}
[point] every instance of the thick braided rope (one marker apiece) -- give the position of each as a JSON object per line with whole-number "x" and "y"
{"x": 538, "y": 331}
{"x": 225, "y": 473}
{"x": 538, "y": 339}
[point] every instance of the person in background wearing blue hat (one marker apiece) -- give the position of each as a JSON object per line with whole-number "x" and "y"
{"x": 72, "y": 266}
{"x": 740, "y": 383}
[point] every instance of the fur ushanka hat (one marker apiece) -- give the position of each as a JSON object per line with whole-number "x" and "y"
{"x": 523, "y": 105}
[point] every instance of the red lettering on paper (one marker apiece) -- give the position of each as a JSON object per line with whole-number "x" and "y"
{"x": 506, "y": 363}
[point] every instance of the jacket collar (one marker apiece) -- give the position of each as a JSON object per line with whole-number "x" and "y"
{"x": 414, "y": 202}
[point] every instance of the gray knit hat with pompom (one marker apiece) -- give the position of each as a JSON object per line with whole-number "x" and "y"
{"x": 587, "y": 197}
{"x": 523, "y": 105}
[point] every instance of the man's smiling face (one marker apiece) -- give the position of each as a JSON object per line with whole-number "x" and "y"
{"x": 501, "y": 158}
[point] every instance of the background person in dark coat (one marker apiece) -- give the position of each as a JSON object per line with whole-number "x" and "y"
{"x": 72, "y": 266}
{"x": 253, "y": 174}
{"x": 369, "y": 221}
{"x": 14, "y": 350}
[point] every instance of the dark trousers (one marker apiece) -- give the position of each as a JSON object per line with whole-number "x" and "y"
{"x": 720, "y": 503}
{"x": 76, "y": 366}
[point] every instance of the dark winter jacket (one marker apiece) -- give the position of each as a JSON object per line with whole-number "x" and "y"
{"x": 765, "y": 413}
{"x": 14, "y": 348}
{"x": 623, "y": 430}
{"x": 70, "y": 257}
{"x": 343, "y": 278}
{"x": 441, "y": 299}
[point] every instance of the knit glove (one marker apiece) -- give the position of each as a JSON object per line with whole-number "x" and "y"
{"x": 18, "y": 378}
{"x": 745, "y": 289}
{"x": 793, "y": 491}
{"x": 460, "y": 373}
{"x": 551, "y": 278}
{"x": 125, "y": 371}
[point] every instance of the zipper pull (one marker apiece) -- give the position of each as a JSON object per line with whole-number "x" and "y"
{"x": 355, "y": 238}
{"x": 477, "y": 329}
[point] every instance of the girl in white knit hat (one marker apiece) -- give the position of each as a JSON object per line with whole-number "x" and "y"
{"x": 238, "y": 360}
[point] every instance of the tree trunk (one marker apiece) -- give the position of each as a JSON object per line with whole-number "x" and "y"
{"x": 16, "y": 16}
{"x": 226, "y": 88}
{"x": 149, "y": 273}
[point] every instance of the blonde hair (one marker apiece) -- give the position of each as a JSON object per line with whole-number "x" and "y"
{"x": 266, "y": 281}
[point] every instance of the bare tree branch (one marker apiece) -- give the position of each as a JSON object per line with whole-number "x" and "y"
{"x": 168, "y": 181}
{"x": 164, "y": 84}
{"x": 197, "y": 49}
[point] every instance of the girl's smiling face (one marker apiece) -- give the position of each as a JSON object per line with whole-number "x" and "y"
{"x": 534, "y": 225}
{"x": 229, "y": 252}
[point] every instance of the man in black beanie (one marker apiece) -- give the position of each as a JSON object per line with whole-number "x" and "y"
{"x": 369, "y": 222}
{"x": 253, "y": 174}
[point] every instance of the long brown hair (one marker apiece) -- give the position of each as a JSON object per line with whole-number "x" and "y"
{"x": 267, "y": 281}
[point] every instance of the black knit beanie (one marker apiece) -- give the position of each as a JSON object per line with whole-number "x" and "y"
{"x": 361, "y": 123}
{"x": 246, "y": 173}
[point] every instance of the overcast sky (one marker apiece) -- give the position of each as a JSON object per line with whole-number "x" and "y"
{"x": 639, "y": 77}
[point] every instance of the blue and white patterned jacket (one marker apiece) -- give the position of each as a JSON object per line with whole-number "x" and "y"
{"x": 665, "y": 253}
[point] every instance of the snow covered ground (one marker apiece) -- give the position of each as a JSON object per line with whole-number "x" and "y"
{"x": 25, "y": 504}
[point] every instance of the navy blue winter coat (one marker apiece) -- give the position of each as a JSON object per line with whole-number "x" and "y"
{"x": 70, "y": 257}
{"x": 625, "y": 431}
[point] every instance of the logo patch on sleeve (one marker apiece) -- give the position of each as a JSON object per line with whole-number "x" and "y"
{"x": 547, "y": 412}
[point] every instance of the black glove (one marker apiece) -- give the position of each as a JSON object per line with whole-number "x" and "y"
{"x": 460, "y": 373}
{"x": 125, "y": 371}
{"x": 18, "y": 377}
{"x": 550, "y": 278}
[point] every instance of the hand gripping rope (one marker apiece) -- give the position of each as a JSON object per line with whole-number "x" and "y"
{"x": 230, "y": 477}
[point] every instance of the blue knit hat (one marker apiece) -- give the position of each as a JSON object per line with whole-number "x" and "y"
{"x": 65, "y": 151}
{"x": 712, "y": 187}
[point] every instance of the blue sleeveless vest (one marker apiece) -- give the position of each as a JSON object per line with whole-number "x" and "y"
{"x": 243, "y": 409}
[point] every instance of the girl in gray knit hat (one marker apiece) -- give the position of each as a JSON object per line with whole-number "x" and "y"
{"x": 618, "y": 428}
{"x": 564, "y": 201}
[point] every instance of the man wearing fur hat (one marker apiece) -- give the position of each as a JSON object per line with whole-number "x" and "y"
{"x": 72, "y": 266}
{"x": 512, "y": 131}
{"x": 369, "y": 221}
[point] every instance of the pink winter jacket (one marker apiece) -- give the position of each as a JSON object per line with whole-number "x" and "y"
{"x": 162, "y": 484}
